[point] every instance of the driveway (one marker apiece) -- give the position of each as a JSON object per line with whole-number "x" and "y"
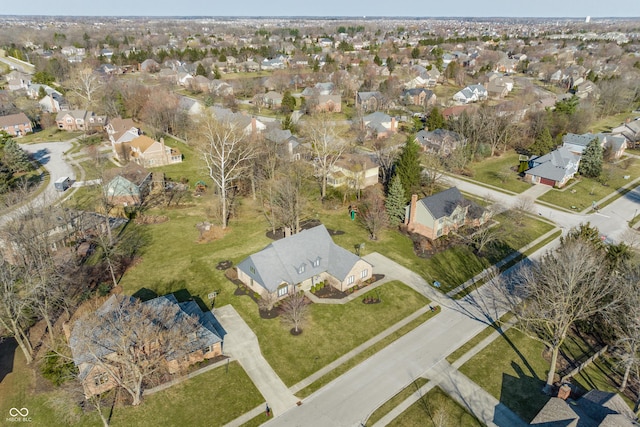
{"x": 241, "y": 344}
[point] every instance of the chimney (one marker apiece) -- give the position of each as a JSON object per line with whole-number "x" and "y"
{"x": 393, "y": 124}
{"x": 254, "y": 127}
{"x": 164, "y": 151}
{"x": 564, "y": 392}
{"x": 412, "y": 210}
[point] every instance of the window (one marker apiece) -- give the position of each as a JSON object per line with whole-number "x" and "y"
{"x": 207, "y": 349}
{"x": 301, "y": 269}
{"x": 100, "y": 379}
{"x": 316, "y": 262}
{"x": 364, "y": 273}
{"x": 350, "y": 280}
{"x": 252, "y": 269}
{"x": 282, "y": 291}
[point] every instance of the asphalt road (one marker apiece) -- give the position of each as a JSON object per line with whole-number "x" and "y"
{"x": 51, "y": 156}
{"x": 351, "y": 398}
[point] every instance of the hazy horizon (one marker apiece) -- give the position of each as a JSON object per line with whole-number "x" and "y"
{"x": 409, "y": 9}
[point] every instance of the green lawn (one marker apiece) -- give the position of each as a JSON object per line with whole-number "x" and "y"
{"x": 497, "y": 171}
{"x": 52, "y": 134}
{"x": 326, "y": 379}
{"x": 605, "y": 124}
{"x": 435, "y": 409}
{"x": 513, "y": 371}
{"x": 390, "y": 404}
{"x": 232, "y": 391}
{"x": 587, "y": 190}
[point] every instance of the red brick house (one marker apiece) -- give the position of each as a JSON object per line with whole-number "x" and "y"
{"x": 16, "y": 124}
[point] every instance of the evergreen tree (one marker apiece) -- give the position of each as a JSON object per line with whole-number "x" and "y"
{"x": 200, "y": 70}
{"x": 396, "y": 201}
{"x": 543, "y": 143}
{"x": 591, "y": 162}
{"x": 377, "y": 60}
{"x": 435, "y": 120}
{"x": 288, "y": 102}
{"x": 408, "y": 168}
{"x": 216, "y": 73}
{"x": 5, "y": 178}
{"x": 15, "y": 158}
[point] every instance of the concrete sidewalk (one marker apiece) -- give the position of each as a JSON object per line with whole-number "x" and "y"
{"x": 242, "y": 345}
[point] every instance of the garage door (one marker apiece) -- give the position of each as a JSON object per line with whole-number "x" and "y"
{"x": 547, "y": 181}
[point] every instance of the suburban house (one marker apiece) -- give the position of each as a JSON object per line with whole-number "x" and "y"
{"x": 380, "y": 125}
{"x": 248, "y": 124}
{"x": 616, "y": 144}
{"x": 630, "y": 130}
{"x": 300, "y": 261}
{"x": 53, "y": 103}
{"x": 286, "y": 144}
{"x": 127, "y": 186}
{"x": 440, "y": 141}
{"x": 442, "y": 213}
{"x": 17, "y": 80}
{"x": 16, "y": 124}
{"x": 150, "y": 153}
{"x": 555, "y": 168}
{"x": 80, "y": 120}
{"x": 353, "y": 170}
{"x": 369, "y": 101}
{"x": 121, "y": 132}
{"x": 472, "y": 93}
{"x": 191, "y": 106}
{"x": 202, "y": 344}
{"x": 272, "y": 99}
{"x": 595, "y": 408}
{"x": 419, "y": 96}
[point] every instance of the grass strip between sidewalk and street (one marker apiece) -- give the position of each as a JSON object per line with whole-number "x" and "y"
{"x": 400, "y": 397}
{"x": 359, "y": 358}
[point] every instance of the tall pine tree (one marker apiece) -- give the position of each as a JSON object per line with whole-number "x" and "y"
{"x": 408, "y": 168}
{"x": 396, "y": 201}
{"x": 591, "y": 161}
{"x": 15, "y": 158}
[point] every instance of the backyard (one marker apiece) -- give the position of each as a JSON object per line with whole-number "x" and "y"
{"x": 496, "y": 171}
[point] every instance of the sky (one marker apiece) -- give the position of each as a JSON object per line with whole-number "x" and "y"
{"x": 320, "y": 8}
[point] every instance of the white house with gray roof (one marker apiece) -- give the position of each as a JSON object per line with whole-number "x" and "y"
{"x": 578, "y": 143}
{"x": 300, "y": 261}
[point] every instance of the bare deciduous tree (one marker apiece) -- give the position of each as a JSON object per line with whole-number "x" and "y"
{"x": 85, "y": 85}
{"x": 566, "y": 286}
{"x": 386, "y": 153}
{"x": 15, "y": 309}
{"x": 294, "y": 310}
{"x": 372, "y": 212}
{"x": 226, "y": 152}
{"x": 130, "y": 341}
{"x": 327, "y": 145}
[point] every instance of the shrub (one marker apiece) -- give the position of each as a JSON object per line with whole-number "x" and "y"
{"x": 57, "y": 369}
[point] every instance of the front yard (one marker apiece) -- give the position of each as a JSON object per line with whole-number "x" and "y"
{"x": 585, "y": 191}
{"x": 513, "y": 370}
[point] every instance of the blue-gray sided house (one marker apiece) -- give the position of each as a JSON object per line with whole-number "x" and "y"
{"x": 555, "y": 168}
{"x": 300, "y": 261}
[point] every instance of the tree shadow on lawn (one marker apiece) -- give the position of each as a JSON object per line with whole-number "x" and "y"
{"x": 522, "y": 393}
{"x": 181, "y": 295}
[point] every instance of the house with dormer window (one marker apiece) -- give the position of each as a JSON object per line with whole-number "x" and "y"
{"x": 300, "y": 261}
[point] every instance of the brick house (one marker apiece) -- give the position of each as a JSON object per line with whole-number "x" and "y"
{"x": 16, "y": 124}
{"x": 441, "y": 213}
{"x": 150, "y": 153}
{"x": 300, "y": 261}
{"x": 202, "y": 344}
{"x": 80, "y": 120}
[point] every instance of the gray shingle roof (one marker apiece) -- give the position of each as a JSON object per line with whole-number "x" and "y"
{"x": 556, "y": 164}
{"x": 443, "y": 204}
{"x": 291, "y": 260}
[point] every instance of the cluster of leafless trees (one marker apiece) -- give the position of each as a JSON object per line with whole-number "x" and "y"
{"x": 581, "y": 285}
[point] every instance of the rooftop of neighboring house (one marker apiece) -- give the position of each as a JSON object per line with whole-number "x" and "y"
{"x": 14, "y": 119}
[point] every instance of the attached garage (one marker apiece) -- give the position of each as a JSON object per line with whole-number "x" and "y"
{"x": 547, "y": 181}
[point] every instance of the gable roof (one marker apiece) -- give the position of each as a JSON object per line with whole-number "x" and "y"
{"x": 132, "y": 172}
{"x": 142, "y": 143}
{"x": 281, "y": 261}
{"x": 14, "y": 119}
{"x": 208, "y": 331}
{"x": 555, "y": 165}
{"x": 595, "y": 409}
{"x": 443, "y": 204}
